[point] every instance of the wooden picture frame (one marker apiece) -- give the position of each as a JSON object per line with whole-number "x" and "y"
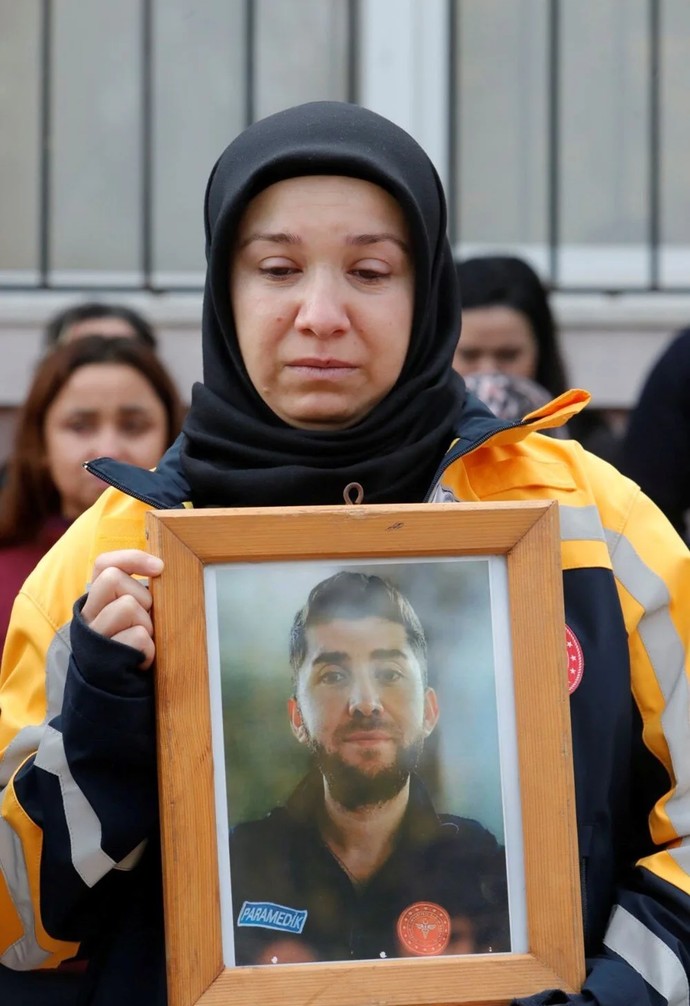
{"x": 526, "y": 536}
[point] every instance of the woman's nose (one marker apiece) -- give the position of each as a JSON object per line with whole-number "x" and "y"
{"x": 109, "y": 443}
{"x": 486, "y": 364}
{"x": 323, "y": 309}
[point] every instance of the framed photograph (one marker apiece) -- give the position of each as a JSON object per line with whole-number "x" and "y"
{"x": 363, "y": 729}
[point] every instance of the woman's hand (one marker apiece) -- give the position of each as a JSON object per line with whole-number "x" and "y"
{"x": 118, "y": 605}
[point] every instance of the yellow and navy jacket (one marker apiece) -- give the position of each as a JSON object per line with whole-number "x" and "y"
{"x": 79, "y": 857}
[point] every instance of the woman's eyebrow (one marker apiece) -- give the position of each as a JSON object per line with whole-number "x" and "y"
{"x": 279, "y": 237}
{"x": 359, "y": 240}
{"x": 372, "y": 239}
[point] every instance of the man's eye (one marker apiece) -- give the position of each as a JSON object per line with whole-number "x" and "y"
{"x": 388, "y": 675}
{"x": 333, "y": 676}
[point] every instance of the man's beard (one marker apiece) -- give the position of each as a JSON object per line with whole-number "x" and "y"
{"x": 353, "y": 787}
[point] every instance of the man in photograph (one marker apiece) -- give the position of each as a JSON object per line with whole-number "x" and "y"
{"x": 357, "y": 864}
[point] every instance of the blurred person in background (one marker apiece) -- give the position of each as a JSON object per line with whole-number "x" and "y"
{"x": 507, "y": 323}
{"x": 91, "y": 397}
{"x": 96, "y": 318}
{"x": 656, "y": 448}
{"x": 93, "y": 318}
{"x": 508, "y": 327}
{"x": 511, "y": 397}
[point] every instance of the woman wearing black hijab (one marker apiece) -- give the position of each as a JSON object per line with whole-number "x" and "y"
{"x": 236, "y": 448}
{"x": 328, "y": 344}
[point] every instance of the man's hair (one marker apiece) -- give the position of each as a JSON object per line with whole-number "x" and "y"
{"x": 356, "y": 595}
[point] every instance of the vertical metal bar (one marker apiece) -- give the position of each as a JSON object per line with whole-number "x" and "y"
{"x": 353, "y": 50}
{"x": 454, "y": 205}
{"x": 250, "y": 64}
{"x": 654, "y": 142}
{"x": 146, "y": 134}
{"x": 45, "y": 142}
{"x": 553, "y": 145}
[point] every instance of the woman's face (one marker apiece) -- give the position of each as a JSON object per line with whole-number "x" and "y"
{"x": 104, "y": 409}
{"x": 496, "y": 340}
{"x": 322, "y": 287}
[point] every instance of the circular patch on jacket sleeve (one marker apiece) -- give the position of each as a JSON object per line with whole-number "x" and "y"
{"x": 576, "y": 659}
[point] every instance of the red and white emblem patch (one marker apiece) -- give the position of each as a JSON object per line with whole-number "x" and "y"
{"x": 424, "y": 928}
{"x": 576, "y": 660}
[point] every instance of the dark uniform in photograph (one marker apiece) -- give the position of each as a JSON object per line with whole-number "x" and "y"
{"x": 295, "y": 901}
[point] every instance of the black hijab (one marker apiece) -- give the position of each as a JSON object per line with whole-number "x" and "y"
{"x": 236, "y": 451}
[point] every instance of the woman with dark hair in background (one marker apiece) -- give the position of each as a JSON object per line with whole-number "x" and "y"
{"x": 507, "y": 323}
{"x": 508, "y": 327}
{"x": 96, "y": 318}
{"x": 93, "y": 318}
{"x": 91, "y": 397}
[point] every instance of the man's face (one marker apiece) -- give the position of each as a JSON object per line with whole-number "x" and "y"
{"x": 362, "y": 708}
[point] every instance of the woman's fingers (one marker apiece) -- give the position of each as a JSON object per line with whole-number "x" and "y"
{"x": 141, "y": 640}
{"x": 129, "y": 560}
{"x": 124, "y": 612}
{"x": 118, "y": 604}
{"x": 110, "y": 585}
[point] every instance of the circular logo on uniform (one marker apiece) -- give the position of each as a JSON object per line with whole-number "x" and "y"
{"x": 576, "y": 660}
{"x": 424, "y": 928}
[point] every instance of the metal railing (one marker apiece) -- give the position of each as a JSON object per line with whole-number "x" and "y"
{"x": 145, "y": 268}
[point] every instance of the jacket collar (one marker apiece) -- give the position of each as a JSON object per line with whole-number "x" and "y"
{"x": 478, "y": 425}
{"x": 165, "y": 488}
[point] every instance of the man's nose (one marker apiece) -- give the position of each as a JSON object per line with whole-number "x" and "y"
{"x": 323, "y": 309}
{"x": 364, "y": 697}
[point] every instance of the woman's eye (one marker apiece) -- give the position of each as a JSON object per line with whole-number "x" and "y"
{"x": 370, "y": 275}
{"x": 468, "y": 355}
{"x": 81, "y": 426}
{"x": 278, "y": 271}
{"x": 507, "y": 355}
{"x": 136, "y": 428}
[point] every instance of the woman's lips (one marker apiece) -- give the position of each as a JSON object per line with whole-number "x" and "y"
{"x": 322, "y": 369}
